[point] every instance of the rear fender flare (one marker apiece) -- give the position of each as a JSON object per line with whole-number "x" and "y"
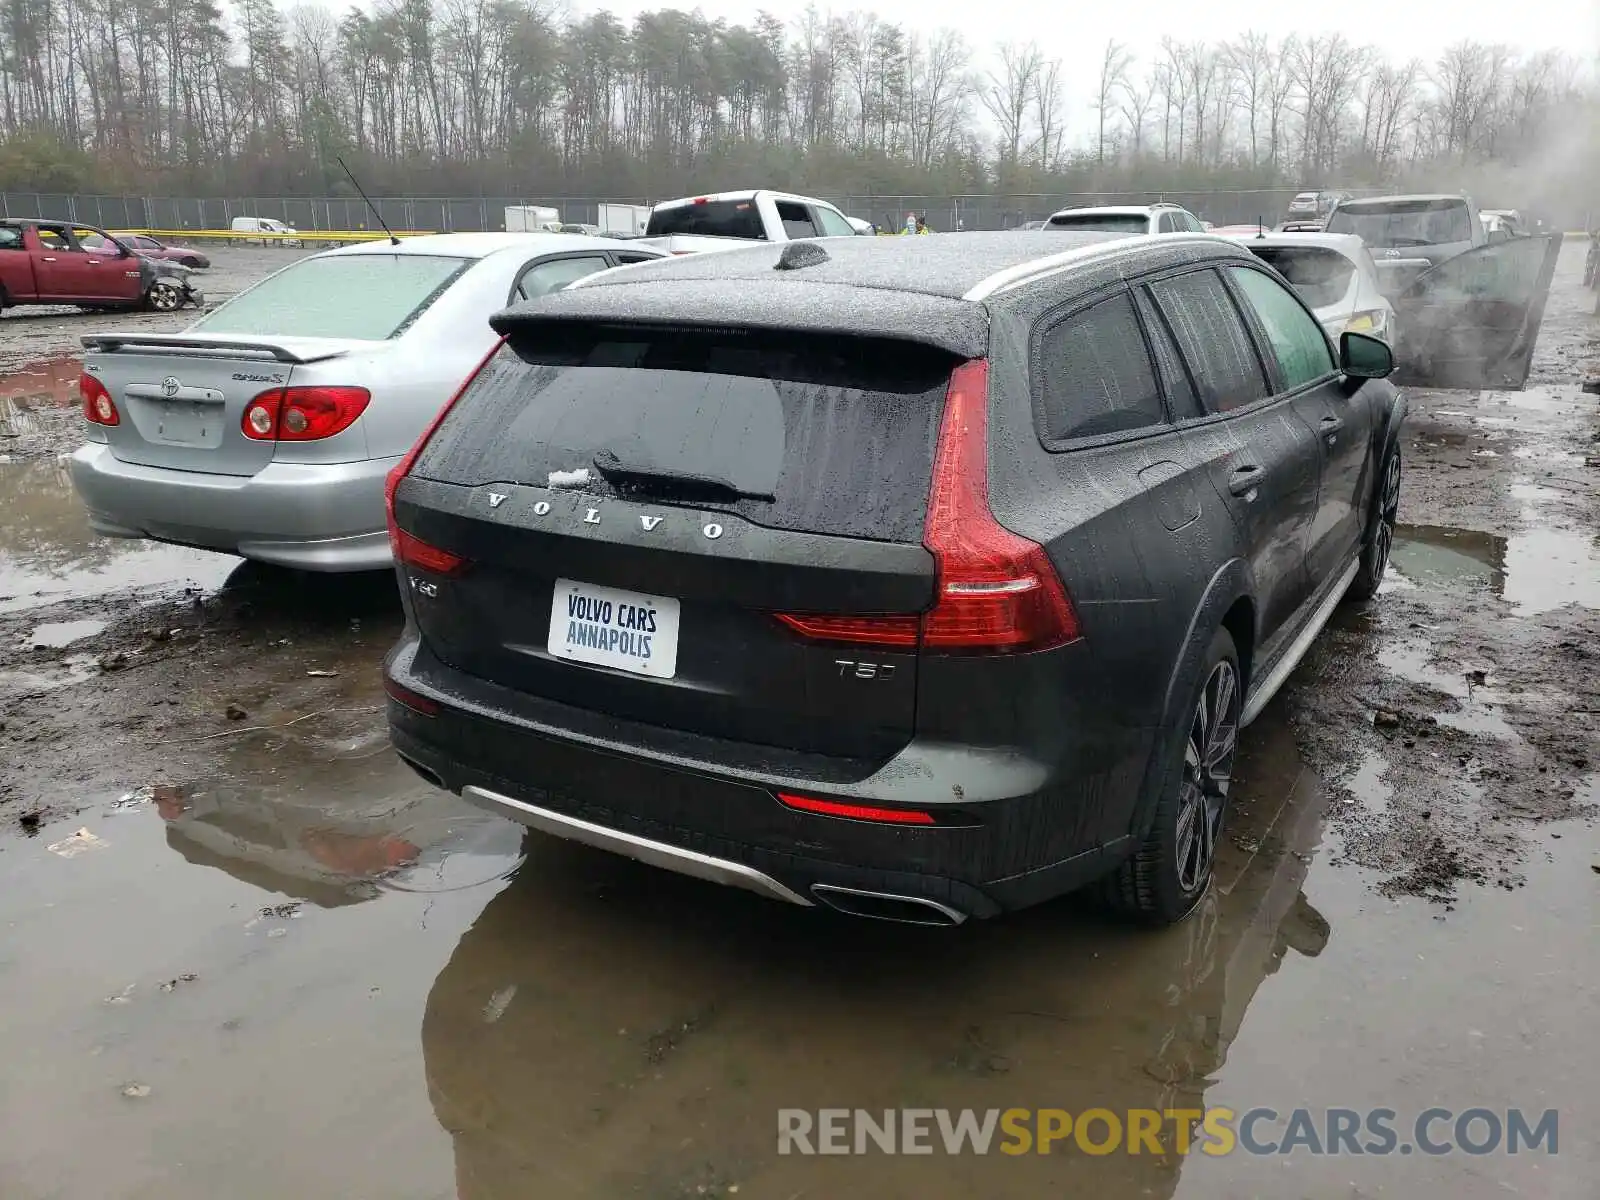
{"x": 1232, "y": 581}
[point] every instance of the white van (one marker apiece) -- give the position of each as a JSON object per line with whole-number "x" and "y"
{"x": 249, "y": 225}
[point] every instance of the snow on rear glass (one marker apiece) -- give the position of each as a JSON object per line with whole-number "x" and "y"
{"x": 369, "y": 297}
{"x": 827, "y": 435}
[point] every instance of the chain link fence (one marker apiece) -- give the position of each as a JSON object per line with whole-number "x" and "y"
{"x": 466, "y": 214}
{"x": 310, "y": 214}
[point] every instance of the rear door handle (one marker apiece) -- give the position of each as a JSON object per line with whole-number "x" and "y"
{"x": 1245, "y": 479}
{"x": 94, "y": 262}
{"x": 1332, "y": 424}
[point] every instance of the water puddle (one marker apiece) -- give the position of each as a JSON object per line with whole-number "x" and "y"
{"x": 58, "y": 673}
{"x": 1536, "y": 570}
{"x": 1550, "y": 568}
{"x": 1478, "y": 702}
{"x": 56, "y": 634}
{"x": 1439, "y": 556}
{"x": 1366, "y": 782}
{"x": 48, "y": 552}
{"x": 24, "y": 391}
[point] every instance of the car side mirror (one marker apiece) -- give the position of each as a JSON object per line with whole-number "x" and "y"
{"x": 1364, "y": 357}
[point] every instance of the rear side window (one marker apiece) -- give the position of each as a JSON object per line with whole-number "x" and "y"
{"x": 1182, "y": 399}
{"x": 546, "y": 277}
{"x": 1296, "y": 340}
{"x": 10, "y": 237}
{"x": 714, "y": 218}
{"x": 1100, "y": 222}
{"x": 827, "y": 435}
{"x": 796, "y": 218}
{"x": 370, "y": 297}
{"x": 1095, "y": 375}
{"x": 1212, "y": 337}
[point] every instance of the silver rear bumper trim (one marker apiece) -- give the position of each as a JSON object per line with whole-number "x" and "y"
{"x": 656, "y": 854}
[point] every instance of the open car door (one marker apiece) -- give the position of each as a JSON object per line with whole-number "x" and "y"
{"x": 1472, "y": 321}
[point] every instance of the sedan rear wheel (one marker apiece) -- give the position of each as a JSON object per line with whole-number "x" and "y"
{"x": 1169, "y": 873}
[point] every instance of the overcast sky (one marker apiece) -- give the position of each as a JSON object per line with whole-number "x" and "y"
{"x": 1077, "y": 34}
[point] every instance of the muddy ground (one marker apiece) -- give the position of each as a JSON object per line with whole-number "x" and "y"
{"x": 229, "y": 911}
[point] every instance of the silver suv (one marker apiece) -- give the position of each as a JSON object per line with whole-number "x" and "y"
{"x": 1127, "y": 218}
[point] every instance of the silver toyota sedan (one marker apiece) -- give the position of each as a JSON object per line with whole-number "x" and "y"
{"x": 267, "y": 427}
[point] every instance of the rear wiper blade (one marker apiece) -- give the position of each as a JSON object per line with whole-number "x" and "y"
{"x": 614, "y": 470}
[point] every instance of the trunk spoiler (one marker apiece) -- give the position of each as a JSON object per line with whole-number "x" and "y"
{"x": 285, "y": 351}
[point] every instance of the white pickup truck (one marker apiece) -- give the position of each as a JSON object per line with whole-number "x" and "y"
{"x": 727, "y": 220}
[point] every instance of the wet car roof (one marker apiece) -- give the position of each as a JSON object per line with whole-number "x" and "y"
{"x": 947, "y": 265}
{"x": 919, "y": 289}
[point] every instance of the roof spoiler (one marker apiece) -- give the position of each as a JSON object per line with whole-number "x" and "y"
{"x": 114, "y": 342}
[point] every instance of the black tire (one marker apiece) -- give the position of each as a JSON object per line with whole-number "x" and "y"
{"x": 1167, "y": 876}
{"x": 1380, "y": 538}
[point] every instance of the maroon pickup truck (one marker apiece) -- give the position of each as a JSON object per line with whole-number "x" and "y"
{"x": 57, "y": 262}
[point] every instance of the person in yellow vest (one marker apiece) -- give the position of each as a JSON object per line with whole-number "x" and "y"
{"x": 922, "y": 224}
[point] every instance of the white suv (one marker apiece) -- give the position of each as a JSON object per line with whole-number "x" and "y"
{"x": 1127, "y": 218}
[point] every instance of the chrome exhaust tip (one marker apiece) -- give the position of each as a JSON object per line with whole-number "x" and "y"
{"x": 885, "y": 906}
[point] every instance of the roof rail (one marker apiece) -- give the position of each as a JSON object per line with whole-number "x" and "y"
{"x": 1055, "y": 264}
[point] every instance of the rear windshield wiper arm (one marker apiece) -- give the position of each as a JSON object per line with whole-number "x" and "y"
{"x": 614, "y": 470}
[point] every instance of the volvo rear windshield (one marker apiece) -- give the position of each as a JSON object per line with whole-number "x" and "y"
{"x": 823, "y": 434}
{"x": 1398, "y": 223}
{"x": 1101, "y": 222}
{"x": 369, "y": 297}
{"x": 713, "y": 218}
{"x": 1321, "y": 276}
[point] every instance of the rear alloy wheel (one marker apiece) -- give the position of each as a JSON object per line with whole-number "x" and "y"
{"x": 1380, "y": 543}
{"x": 165, "y": 296}
{"x": 1167, "y": 876}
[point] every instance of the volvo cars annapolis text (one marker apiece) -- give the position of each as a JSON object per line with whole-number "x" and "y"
{"x": 919, "y": 578}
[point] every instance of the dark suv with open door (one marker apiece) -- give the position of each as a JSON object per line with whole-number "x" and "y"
{"x": 921, "y": 578}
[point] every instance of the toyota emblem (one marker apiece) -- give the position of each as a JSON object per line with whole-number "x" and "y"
{"x": 170, "y": 386}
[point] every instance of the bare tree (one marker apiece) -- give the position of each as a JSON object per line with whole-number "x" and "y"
{"x": 939, "y": 89}
{"x": 1137, "y": 100}
{"x": 1047, "y": 112}
{"x": 1008, "y": 95}
{"x": 1200, "y": 64}
{"x": 1172, "y": 79}
{"x": 1114, "y": 64}
{"x": 1249, "y": 63}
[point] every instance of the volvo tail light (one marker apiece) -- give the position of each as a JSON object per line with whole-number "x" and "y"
{"x": 998, "y": 592}
{"x": 407, "y": 548}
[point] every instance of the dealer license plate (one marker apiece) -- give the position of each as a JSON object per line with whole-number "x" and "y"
{"x": 605, "y": 627}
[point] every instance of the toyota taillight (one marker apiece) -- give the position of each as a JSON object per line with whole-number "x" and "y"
{"x": 303, "y": 414}
{"x": 407, "y": 548}
{"x": 98, "y": 406}
{"x": 998, "y": 592}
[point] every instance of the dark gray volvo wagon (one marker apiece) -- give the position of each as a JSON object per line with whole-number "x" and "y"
{"x": 921, "y": 578}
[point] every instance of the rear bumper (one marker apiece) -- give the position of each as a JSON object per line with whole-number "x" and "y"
{"x": 314, "y": 517}
{"x": 1010, "y": 850}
